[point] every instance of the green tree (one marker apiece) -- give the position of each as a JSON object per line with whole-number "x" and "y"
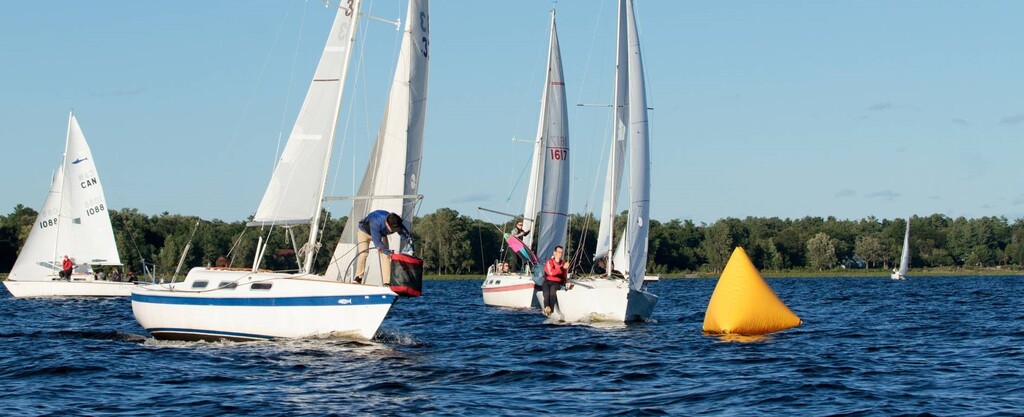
{"x": 870, "y": 249}
{"x": 821, "y": 251}
{"x": 720, "y": 239}
{"x": 445, "y": 246}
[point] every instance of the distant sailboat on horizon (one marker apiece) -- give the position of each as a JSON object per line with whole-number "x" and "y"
{"x": 901, "y": 272}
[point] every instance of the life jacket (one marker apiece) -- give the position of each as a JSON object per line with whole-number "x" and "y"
{"x": 554, "y": 271}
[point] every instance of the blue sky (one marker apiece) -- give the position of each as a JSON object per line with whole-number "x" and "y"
{"x": 789, "y": 109}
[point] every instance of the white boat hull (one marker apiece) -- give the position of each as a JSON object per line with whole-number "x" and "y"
{"x": 898, "y": 276}
{"x": 509, "y": 290}
{"x": 602, "y": 299}
{"x": 78, "y": 286}
{"x": 294, "y": 306}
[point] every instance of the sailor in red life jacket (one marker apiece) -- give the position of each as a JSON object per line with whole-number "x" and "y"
{"x": 554, "y": 276}
{"x": 66, "y": 267}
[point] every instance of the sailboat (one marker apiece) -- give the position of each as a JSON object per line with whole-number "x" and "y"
{"x": 251, "y": 304}
{"x": 547, "y": 197}
{"x": 901, "y": 273}
{"x": 607, "y": 298}
{"x": 74, "y": 222}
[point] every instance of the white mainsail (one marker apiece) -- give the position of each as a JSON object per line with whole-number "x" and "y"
{"x": 391, "y": 180}
{"x": 905, "y": 256}
{"x": 73, "y": 221}
{"x": 553, "y": 132}
{"x": 639, "y": 159}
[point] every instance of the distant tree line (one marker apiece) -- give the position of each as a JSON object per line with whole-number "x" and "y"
{"x": 452, "y": 243}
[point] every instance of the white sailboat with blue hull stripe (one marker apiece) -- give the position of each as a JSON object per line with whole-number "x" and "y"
{"x": 252, "y": 304}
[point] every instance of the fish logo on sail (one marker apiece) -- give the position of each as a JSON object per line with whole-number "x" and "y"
{"x": 75, "y": 162}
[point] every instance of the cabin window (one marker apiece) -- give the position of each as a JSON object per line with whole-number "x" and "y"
{"x": 261, "y": 285}
{"x": 199, "y": 284}
{"x": 227, "y": 285}
{"x": 497, "y": 282}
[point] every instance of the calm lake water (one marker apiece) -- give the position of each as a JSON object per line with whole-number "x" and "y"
{"x": 868, "y": 346}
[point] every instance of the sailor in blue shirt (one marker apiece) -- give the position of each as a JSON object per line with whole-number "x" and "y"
{"x": 375, "y": 227}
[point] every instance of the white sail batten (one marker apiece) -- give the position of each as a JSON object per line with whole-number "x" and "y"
{"x": 616, "y": 156}
{"x": 553, "y": 218}
{"x": 74, "y": 219}
{"x": 639, "y": 159}
{"x": 296, "y": 187}
{"x": 394, "y": 165}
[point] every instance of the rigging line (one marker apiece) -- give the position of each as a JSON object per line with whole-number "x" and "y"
{"x": 131, "y": 236}
{"x": 284, "y": 110}
{"x": 527, "y": 92}
{"x": 502, "y": 244}
{"x": 230, "y": 255}
{"x": 590, "y": 53}
{"x": 376, "y": 139}
{"x": 188, "y": 245}
{"x": 526, "y": 167}
{"x": 291, "y": 83}
{"x": 259, "y": 80}
{"x": 480, "y": 240}
{"x": 248, "y": 106}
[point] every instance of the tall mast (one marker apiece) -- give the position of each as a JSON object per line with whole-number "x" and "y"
{"x": 63, "y": 173}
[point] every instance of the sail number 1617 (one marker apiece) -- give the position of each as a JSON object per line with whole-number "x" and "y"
{"x": 559, "y": 154}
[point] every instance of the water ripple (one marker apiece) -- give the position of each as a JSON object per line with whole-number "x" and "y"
{"x": 868, "y": 346}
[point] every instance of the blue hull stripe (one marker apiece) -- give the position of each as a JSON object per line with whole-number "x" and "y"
{"x": 334, "y": 300}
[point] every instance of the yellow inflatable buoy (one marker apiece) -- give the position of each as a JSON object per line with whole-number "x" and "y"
{"x": 743, "y": 303}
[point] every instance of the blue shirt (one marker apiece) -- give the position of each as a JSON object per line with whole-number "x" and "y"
{"x": 376, "y": 225}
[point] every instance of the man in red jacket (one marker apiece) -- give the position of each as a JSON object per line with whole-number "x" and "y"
{"x": 66, "y": 267}
{"x": 554, "y": 277}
